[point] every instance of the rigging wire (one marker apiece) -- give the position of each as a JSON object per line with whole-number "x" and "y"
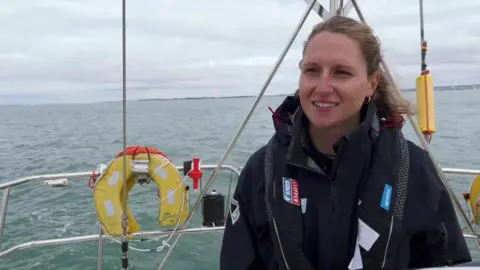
{"x": 124, "y": 238}
{"x": 424, "y": 143}
{"x": 124, "y": 140}
{"x": 230, "y": 147}
{"x": 422, "y": 39}
{"x": 423, "y": 54}
{"x": 241, "y": 128}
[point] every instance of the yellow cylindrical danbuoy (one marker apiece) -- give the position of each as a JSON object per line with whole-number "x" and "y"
{"x": 425, "y": 104}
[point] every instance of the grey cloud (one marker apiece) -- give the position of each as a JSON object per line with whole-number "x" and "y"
{"x": 438, "y": 56}
{"x": 59, "y": 51}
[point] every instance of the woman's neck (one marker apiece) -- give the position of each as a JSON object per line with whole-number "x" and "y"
{"x": 324, "y": 139}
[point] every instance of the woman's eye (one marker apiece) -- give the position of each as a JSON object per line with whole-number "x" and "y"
{"x": 343, "y": 72}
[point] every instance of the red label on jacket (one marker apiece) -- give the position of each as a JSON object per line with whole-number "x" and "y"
{"x": 295, "y": 194}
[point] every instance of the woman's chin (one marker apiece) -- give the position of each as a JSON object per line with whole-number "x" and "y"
{"x": 324, "y": 123}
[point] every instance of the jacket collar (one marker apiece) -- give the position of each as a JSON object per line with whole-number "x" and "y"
{"x": 289, "y": 119}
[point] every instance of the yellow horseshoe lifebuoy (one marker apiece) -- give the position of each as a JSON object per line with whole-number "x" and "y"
{"x": 475, "y": 198}
{"x": 108, "y": 191}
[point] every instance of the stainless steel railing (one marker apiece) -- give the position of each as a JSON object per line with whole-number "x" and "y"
{"x": 62, "y": 180}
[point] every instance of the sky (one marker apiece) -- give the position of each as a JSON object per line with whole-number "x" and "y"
{"x": 70, "y": 51}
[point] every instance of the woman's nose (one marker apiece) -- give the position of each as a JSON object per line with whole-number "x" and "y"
{"x": 323, "y": 84}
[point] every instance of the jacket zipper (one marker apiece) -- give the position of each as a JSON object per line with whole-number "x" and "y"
{"x": 307, "y": 168}
{"x": 333, "y": 195}
{"x": 331, "y": 176}
{"x": 388, "y": 243}
{"x": 332, "y": 185}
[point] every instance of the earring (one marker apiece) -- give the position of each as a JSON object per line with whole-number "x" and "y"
{"x": 367, "y": 100}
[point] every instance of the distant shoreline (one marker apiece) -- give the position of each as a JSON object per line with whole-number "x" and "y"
{"x": 197, "y": 98}
{"x": 438, "y": 88}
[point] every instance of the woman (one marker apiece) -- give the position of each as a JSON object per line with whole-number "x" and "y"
{"x": 338, "y": 186}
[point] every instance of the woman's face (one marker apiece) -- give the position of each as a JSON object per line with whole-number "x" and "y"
{"x": 334, "y": 81}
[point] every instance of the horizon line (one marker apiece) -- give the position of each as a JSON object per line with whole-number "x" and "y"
{"x": 437, "y": 88}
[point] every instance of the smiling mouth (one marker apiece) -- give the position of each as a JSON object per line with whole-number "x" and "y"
{"x": 324, "y": 104}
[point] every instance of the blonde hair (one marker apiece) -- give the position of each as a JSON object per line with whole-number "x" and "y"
{"x": 387, "y": 99}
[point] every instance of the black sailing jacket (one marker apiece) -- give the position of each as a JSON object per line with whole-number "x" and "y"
{"x": 381, "y": 198}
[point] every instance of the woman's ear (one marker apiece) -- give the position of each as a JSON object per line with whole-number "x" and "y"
{"x": 373, "y": 83}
